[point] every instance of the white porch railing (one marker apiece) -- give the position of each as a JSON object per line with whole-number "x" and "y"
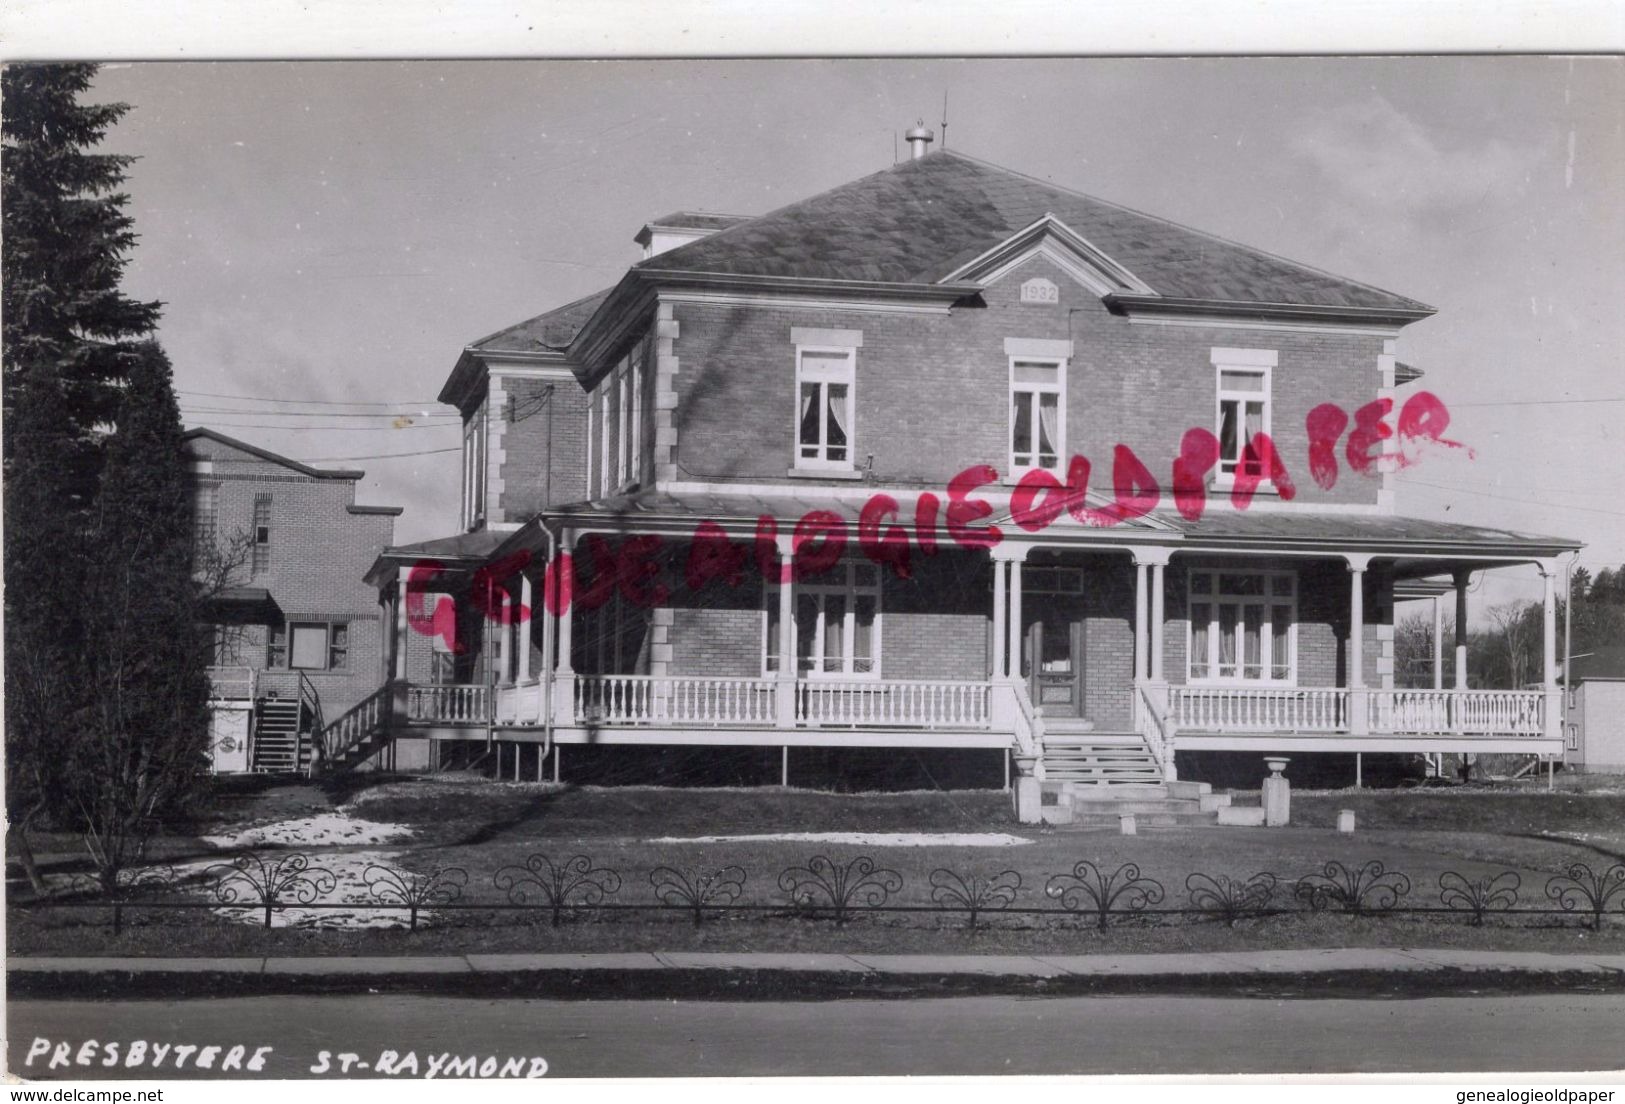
{"x": 647, "y": 699}
{"x": 456, "y": 704}
{"x": 1328, "y": 709}
{"x": 1258, "y": 709}
{"x": 1458, "y": 712}
{"x": 892, "y": 703}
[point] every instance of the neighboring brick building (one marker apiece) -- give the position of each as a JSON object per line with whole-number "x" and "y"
{"x": 1185, "y": 445}
{"x": 298, "y": 635}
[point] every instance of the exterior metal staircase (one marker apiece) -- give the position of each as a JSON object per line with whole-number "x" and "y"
{"x": 286, "y": 721}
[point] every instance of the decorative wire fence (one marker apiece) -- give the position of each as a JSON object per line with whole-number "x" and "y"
{"x": 824, "y": 888}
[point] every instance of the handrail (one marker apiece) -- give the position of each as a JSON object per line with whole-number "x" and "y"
{"x": 1029, "y": 722}
{"x": 308, "y": 693}
{"x": 366, "y": 717}
{"x": 1156, "y": 729}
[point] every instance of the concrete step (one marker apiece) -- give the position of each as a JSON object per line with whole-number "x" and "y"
{"x": 1245, "y": 816}
{"x": 1143, "y": 820}
{"x": 1212, "y": 802}
{"x": 1128, "y": 791}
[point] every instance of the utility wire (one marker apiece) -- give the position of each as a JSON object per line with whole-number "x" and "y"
{"x": 376, "y": 456}
{"x": 305, "y": 402}
{"x": 320, "y": 428}
{"x": 1506, "y": 498}
{"x": 1536, "y": 402}
{"x": 316, "y": 413}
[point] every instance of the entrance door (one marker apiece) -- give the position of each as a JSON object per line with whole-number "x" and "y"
{"x": 1052, "y": 661}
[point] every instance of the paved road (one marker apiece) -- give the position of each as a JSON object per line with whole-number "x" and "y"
{"x": 973, "y": 1035}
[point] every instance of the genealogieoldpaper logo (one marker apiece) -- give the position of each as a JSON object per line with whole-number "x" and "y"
{"x": 45, "y": 1055}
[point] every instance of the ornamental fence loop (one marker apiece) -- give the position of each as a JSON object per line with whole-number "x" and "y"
{"x": 824, "y": 883}
{"x": 1498, "y": 893}
{"x": 1230, "y": 898}
{"x": 698, "y": 890}
{"x": 574, "y": 883}
{"x": 441, "y": 886}
{"x": 973, "y": 893}
{"x": 1364, "y": 889}
{"x": 1104, "y": 890}
{"x": 1582, "y": 885}
{"x": 249, "y": 879}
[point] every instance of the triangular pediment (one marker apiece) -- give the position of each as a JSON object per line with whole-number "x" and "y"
{"x": 1053, "y": 240}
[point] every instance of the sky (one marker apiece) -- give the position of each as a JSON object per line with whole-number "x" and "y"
{"x": 327, "y": 232}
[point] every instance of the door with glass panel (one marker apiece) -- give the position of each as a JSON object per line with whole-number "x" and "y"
{"x": 1053, "y": 641}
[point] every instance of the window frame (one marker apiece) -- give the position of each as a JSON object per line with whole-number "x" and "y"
{"x": 261, "y": 559}
{"x": 1214, "y": 599}
{"x": 847, "y": 588}
{"x": 1061, "y": 364}
{"x": 284, "y": 631}
{"x": 1255, "y": 362}
{"x": 206, "y": 515}
{"x": 474, "y": 463}
{"x": 849, "y": 372}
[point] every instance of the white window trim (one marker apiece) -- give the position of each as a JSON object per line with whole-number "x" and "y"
{"x": 634, "y": 440}
{"x": 592, "y": 468}
{"x": 1261, "y": 362}
{"x": 603, "y": 437}
{"x": 622, "y": 397}
{"x": 474, "y": 432}
{"x": 848, "y": 376}
{"x": 851, "y": 591}
{"x": 1266, "y": 633}
{"x": 1035, "y": 389}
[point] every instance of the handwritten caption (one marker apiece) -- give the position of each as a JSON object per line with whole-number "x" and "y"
{"x": 140, "y": 1054}
{"x": 820, "y": 538}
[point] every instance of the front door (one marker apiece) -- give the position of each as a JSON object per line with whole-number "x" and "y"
{"x": 1052, "y": 661}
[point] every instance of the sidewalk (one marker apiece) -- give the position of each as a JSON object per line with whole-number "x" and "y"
{"x": 666, "y": 974}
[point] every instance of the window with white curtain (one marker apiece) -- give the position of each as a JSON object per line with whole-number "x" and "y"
{"x": 825, "y": 382}
{"x": 1037, "y": 413}
{"x": 1243, "y": 626}
{"x": 835, "y": 630}
{"x": 1243, "y": 406}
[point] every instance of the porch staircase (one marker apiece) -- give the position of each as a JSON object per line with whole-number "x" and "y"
{"x": 1074, "y": 753}
{"x": 1156, "y": 805}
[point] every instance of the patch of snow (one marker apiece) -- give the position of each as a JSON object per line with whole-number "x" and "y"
{"x": 865, "y": 839}
{"x": 335, "y": 829}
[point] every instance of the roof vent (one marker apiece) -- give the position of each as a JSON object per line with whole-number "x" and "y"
{"x": 919, "y": 138}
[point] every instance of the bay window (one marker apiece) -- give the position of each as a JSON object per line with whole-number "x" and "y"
{"x": 1243, "y": 626}
{"x": 836, "y": 629}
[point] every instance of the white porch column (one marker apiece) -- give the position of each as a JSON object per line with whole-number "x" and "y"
{"x": 1552, "y": 716}
{"x": 1015, "y": 621}
{"x": 399, "y": 619}
{"x": 566, "y": 657}
{"x": 1438, "y": 643}
{"x": 1461, "y": 579}
{"x": 504, "y": 636}
{"x": 1140, "y": 643}
{"x": 1156, "y": 620}
{"x": 1359, "y": 698}
{"x": 998, "y": 620}
{"x": 785, "y": 687}
{"x": 527, "y": 607}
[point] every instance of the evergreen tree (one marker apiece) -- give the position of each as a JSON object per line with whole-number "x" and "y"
{"x": 140, "y": 741}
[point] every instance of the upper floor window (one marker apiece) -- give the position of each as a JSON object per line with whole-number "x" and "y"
{"x": 1037, "y": 413}
{"x": 1243, "y": 407}
{"x": 309, "y": 646}
{"x": 474, "y": 434}
{"x": 262, "y": 533}
{"x": 1243, "y": 626}
{"x": 605, "y": 412}
{"x": 626, "y": 394}
{"x": 825, "y": 406}
{"x": 205, "y": 514}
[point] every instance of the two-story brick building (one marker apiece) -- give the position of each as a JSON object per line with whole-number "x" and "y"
{"x": 297, "y": 632}
{"x": 945, "y": 459}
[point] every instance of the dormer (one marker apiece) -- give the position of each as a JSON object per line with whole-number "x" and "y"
{"x": 680, "y": 228}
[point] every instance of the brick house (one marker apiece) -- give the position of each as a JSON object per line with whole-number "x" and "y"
{"x": 1012, "y": 473}
{"x": 296, "y": 631}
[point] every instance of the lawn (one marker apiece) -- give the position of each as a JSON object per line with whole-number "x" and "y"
{"x": 482, "y": 827}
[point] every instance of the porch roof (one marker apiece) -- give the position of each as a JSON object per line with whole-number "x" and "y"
{"x": 1220, "y": 526}
{"x": 466, "y": 549}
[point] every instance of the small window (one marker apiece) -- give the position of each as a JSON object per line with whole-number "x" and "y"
{"x": 1574, "y": 737}
{"x": 1243, "y": 407}
{"x": 276, "y": 647}
{"x": 825, "y": 381}
{"x": 338, "y": 647}
{"x": 262, "y": 533}
{"x": 1037, "y": 414}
